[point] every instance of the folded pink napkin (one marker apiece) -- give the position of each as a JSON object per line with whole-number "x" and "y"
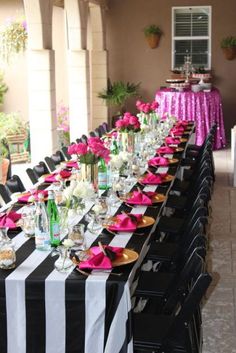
{"x": 182, "y": 123}
{"x": 126, "y": 222}
{"x": 25, "y": 197}
{"x": 158, "y": 161}
{"x": 153, "y": 179}
{"x": 64, "y": 174}
{"x": 98, "y": 260}
{"x": 177, "y": 131}
{"x": 9, "y": 220}
{"x": 72, "y": 164}
{"x": 165, "y": 149}
{"x": 172, "y": 141}
{"x": 141, "y": 198}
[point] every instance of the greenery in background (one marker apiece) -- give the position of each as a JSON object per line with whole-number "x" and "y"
{"x": 152, "y": 29}
{"x": 11, "y": 124}
{"x": 117, "y": 93}
{"x": 3, "y": 88}
{"x": 13, "y": 38}
{"x": 228, "y": 42}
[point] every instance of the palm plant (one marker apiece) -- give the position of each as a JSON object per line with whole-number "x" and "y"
{"x": 117, "y": 93}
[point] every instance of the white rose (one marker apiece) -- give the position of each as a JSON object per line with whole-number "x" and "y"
{"x": 68, "y": 243}
{"x": 97, "y": 209}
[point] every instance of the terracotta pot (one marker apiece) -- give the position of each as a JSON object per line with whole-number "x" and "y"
{"x": 153, "y": 40}
{"x": 4, "y": 169}
{"x": 230, "y": 53}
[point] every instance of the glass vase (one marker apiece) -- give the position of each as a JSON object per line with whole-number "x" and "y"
{"x": 63, "y": 263}
{"x": 89, "y": 172}
{"x": 127, "y": 142}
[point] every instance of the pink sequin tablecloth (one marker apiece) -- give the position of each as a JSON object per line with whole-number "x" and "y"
{"x": 205, "y": 108}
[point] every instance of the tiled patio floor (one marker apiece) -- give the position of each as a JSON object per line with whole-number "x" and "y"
{"x": 219, "y": 314}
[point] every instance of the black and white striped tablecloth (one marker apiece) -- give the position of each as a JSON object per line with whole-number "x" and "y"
{"x": 44, "y": 311}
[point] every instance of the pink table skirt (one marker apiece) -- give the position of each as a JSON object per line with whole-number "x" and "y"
{"x": 205, "y": 108}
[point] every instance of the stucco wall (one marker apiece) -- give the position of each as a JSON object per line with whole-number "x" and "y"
{"x": 130, "y": 58}
{"x": 16, "y": 72}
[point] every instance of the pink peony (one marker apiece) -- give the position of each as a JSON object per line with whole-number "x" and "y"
{"x": 120, "y": 124}
{"x": 133, "y": 120}
{"x": 72, "y": 149}
{"x": 154, "y": 105}
{"x": 81, "y": 148}
{"x": 92, "y": 140}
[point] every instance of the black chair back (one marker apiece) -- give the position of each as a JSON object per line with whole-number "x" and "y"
{"x": 4, "y": 195}
{"x": 15, "y": 184}
{"x": 84, "y": 138}
{"x": 51, "y": 165}
{"x": 65, "y": 153}
{"x": 31, "y": 174}
{"x": 41, "y": 169}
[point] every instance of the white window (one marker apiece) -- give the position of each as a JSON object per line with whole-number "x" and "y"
{"x": 191, "y": 35}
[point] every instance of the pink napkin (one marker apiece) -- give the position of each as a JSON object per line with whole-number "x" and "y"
{"x": 72, "y": 164}
{"x": 98, "y": 260}
{"x": 52, "y": 177}
{"x": 182, "y": 123}
{"x": 153, "y": 179}
{"x": 172, "y": 141}
{"x": 165, "y": 149}
{"x": 126, "y": 222}
{"x": 158, "y": 161}
{"x": 141, "y": 198}
{"x": 25, "y": 198}
{"x": 177, "y": 131}
{"x": 9, "y": 220}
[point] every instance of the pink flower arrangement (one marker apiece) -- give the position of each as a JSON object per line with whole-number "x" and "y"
{"x": 128, "y": 123}
{"x": 146, "y": 107}
{"x": 90, "y": 152}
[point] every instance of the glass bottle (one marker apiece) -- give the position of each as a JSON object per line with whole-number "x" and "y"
{"x": 54, "y": 219}
{"x": 114, "y": 146}
{"x": 102, "y": 175}
{"x": 42, "y": 234}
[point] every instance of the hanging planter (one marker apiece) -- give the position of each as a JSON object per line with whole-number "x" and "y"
{"x": 228, "y": 46}
{"x": 153, "y": 34}
{"x": 13, "y": 39}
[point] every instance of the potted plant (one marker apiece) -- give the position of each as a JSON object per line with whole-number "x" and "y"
{"x": 153, "y": 34}
{"x": 228, "y": 46}
{"x": 117, "y": 94}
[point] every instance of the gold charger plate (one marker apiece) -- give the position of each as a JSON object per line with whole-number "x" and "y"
{"x": 146, "y": 221}
{"x": 128, "y": 256}
{"x": 179, "y": 149}
{"x": 167, "y": 179}
{"x": 158, "y": 198}
{"x": 173, "y": 160}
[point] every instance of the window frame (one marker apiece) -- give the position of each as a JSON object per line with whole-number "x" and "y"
{"x": 174, "y": 38}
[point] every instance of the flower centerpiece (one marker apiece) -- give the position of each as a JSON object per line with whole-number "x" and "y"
{"x": 127, "y": 126}
{"x": 89, "y": 154}
{"x": 13, "y": 37}
{"x": 148, "y": 115}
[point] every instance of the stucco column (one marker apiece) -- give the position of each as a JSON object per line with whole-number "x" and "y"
{"x": 99, "y": 110}
{"x": 78, "y": 73}
{"x": 42, "y": 104}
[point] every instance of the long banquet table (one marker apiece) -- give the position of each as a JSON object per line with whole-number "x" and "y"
{"x": 44, "y": 311}
{"x": 204, "y": 108}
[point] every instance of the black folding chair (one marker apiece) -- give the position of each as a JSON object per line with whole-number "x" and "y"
{"x": 171, "y": 333}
